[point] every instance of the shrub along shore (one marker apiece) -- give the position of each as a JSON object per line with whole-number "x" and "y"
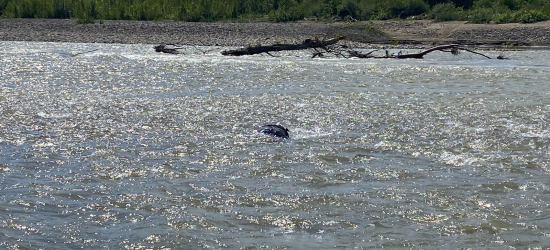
{"x": 474, "y": 11}
{"x": 365, "y": 34}
{"x": 251, "y": 22}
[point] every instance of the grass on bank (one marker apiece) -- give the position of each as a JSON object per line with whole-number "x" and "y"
{"x": 87, "y": 11}
{"x": 485, "y": 11}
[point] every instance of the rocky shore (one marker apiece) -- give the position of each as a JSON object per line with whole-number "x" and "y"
{"x": 149, "y": 32}
{"x": 250, "y": 33}
{"x": 428, "y": 32}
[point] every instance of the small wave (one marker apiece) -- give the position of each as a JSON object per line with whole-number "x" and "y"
{"x": 385, "y": 145}
{"x": 54, "y": 116}
{"x": 457, "y": 159}
{"x": 532, "y": 134}
{"x": 300, "y": 133}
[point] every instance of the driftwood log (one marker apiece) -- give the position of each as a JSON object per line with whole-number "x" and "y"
{"x": 453, "y": 48}
{"x": 307, "y": 44}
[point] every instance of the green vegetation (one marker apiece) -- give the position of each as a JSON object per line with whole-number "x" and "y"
{"x": 87, "y": 11}
{"x": 446, "y": 12}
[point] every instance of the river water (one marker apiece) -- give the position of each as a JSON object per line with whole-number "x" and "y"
{"x": 125, "y": 148}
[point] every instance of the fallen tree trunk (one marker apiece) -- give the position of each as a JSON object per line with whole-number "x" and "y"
{"x": 307, "y": 44}
{"x": 353, "y": 53}
{"x": 454, "y": 49}
{"x": 423, "y": 53}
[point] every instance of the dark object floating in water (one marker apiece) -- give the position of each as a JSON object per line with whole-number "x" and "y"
{"x": 275, "y": 130}
{"x": 168, "y": 48}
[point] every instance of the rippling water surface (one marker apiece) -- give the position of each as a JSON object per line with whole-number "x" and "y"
{"x": 124, "y": 148}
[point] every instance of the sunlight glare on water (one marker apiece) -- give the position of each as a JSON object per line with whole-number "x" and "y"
{"x": 125, "y": 148}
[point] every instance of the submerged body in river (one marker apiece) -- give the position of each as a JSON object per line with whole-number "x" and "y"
{"x": 275, "y": 130}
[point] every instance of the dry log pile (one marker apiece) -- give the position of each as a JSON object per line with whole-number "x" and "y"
{"x": 329, "y": 46}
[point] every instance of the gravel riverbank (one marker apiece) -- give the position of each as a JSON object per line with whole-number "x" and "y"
{"x": 148, "y": 32}
{"x": 242, "y": 34}
{"x": 428, "y": 32}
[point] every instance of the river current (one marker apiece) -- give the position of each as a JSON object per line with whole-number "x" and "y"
{"x": 125, "y": 148}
